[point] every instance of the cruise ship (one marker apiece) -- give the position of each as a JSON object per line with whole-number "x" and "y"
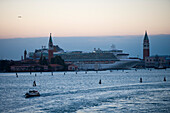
{"x": 96, "y": 60}
{"x": 99, "y": 60}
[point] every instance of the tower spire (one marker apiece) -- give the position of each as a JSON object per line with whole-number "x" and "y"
{"x": 50, "y": 44}
{"x": 146, "y": 36}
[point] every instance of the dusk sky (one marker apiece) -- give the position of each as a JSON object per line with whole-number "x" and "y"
{"x": 37, "y": 18}
{"x": 84, "y": 25}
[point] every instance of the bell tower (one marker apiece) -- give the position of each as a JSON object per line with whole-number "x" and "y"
{"x": 50, "y": 49}
{"x": 145, "y": 46}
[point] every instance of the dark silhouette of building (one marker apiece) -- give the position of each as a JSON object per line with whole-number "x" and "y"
{"x": 25, "y": 55}
{"x": 145, "y": 46}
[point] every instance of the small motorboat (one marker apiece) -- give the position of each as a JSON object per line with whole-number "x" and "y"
{"x": 32, "y": 93}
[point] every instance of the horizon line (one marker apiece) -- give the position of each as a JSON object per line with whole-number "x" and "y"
{"x": 82, "y": 36}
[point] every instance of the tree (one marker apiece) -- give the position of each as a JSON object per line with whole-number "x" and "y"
{"x": 43, "y": 61}
{"x": 58, "y": 60}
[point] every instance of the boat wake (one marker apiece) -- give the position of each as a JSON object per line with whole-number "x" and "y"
{"x": 111, "y": 98}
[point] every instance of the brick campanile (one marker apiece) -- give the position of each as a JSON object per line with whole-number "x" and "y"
{"x": 50, "y": 49}
{"x": 145, "y": 46}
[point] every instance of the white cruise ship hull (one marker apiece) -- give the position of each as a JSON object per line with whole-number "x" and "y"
{"x": 121, "y": 64}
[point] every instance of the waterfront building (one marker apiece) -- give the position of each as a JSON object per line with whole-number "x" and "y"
{"x": 28, "y": 68}
{"x": 158, "y": 61}
{"x": 55, "y": 67}
{"x": 72, "y": 67}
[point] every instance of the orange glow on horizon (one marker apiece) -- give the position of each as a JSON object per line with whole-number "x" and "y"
{"x": 38, "y": 18}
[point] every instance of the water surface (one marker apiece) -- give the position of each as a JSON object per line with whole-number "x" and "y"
{"x": 120, "y": 91}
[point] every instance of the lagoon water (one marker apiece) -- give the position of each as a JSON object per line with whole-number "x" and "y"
{"x": 119, "y": 91}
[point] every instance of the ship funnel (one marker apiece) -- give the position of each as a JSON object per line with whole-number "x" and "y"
{"x": 113, "y": 47}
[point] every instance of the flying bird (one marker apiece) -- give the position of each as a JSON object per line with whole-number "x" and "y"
{"x": 19, "y": 16}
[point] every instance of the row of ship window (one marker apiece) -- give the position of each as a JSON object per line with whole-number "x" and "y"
{"x": 154, "y": 60}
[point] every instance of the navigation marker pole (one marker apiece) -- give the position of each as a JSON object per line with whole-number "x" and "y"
{"x": 164, "y": 79}
{"x": 140, "y": 80}
{"x": 100, "y": 81}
